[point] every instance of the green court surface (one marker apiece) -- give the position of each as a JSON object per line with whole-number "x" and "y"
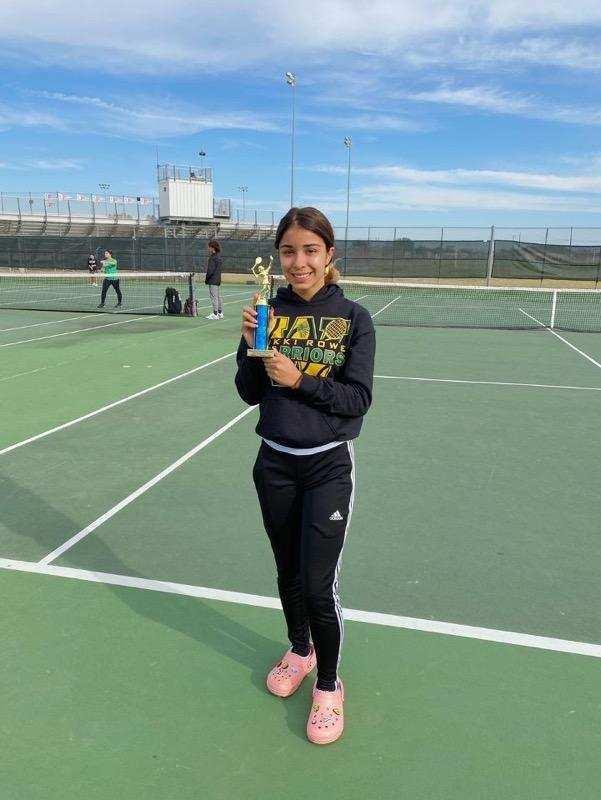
{"x": 128, "y": 509}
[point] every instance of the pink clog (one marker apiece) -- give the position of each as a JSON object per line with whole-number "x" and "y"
{"x": 326, "y": 717}
{"x": 288, "y": 674}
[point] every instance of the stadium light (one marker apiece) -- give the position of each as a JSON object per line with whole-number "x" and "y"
{"x": 348, "y": 143}
{"x": 291, "y": 81}
{"x": 244, "y": 190}
{"x": 202, "y": 155}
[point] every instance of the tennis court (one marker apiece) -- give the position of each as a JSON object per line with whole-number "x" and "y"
{"x": 139, "y": 591}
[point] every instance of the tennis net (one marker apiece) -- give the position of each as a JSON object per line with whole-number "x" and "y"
{"x": 454, "y": 306}
{"x": 142, "y": 292}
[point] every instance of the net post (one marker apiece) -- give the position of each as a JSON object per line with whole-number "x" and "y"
{"x": 192, "y": 302}
{"x": 491, "y": 255}
{"x": 553, "y": 308}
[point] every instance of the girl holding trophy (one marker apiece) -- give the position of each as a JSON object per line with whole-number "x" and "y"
{"x": 311, "y": 374}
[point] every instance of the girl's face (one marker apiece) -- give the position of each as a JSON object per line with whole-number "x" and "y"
{"x": 304, "y": 258}
{"x": 107, "y": 254}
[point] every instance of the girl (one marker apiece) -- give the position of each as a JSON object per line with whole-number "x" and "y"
{"x": 111, "y": 278}
{"x": 213, "y": 279}
{"x": 312, "y": 394}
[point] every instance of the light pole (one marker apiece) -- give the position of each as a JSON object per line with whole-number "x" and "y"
{"x": 291, "y": 81}
{"x": 104, "y": 187}
{"x": 348, "y": 143}
{"x": 244, "y": 190}
{"x": 202, "y": 155}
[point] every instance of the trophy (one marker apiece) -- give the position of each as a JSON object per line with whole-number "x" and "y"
{"x": 261, "y": 273}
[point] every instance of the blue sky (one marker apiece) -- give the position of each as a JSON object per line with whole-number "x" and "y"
{"x": 461, "y": 113}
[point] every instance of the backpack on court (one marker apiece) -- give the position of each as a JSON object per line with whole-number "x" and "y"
{"x": 172, "y": 304}
{"x": 190, "y": 307}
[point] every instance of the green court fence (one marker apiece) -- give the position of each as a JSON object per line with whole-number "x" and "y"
{"x": 475, "y": 254}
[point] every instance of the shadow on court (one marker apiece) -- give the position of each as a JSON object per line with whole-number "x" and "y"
{"x": 200, "y": 621}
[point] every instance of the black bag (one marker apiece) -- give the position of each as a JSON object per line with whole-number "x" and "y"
{"x": 190, "y": 307}
{"x": 172, "y": 304}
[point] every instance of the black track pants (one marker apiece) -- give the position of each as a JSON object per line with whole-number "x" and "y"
{"x": 105, "y": 287}
{"x": 307, "y": 502}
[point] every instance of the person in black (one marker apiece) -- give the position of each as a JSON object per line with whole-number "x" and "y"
{"x": 92, "y": 268}
{"x": 213, "y": 279}
{"x": 312, "y": 396}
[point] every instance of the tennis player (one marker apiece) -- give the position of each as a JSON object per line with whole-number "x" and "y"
{"x": 92, "y": 268}
{"x": 110, "y": 271}
{"x": 312, "y": 394}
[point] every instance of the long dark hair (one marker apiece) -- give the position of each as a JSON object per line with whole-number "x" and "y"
{"x": 314, "y": 220}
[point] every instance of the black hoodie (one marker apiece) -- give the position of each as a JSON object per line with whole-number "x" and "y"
{"x": 213, "y": 276}
{"x": 332, "y": 342}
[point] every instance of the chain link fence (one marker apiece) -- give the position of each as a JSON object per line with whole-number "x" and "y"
{"x": 475, "y": 255}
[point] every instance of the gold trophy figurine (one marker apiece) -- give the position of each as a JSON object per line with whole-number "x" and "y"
{"x": 261, "y": 273}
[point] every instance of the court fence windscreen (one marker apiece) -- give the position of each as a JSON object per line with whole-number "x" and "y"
{"x": 476, "y": 255}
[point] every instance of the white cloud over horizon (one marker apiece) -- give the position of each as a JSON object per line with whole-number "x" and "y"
{"x": 581, "y": 183}
{"x": 151, "y": 37}
{"x": 153, "y": 118}
{"x": 493, "y": 100}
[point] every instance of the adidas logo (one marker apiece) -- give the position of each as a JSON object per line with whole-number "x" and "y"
{"x": 336, "y": 516}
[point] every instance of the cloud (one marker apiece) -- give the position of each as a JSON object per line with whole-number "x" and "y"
{"x": 56, "y": 164}
{"x": 28, "y": 118}
{"x": 570, "y": 53}
{"x": 184, "y": 36}
{"x": 493, "y": 100}
{"x": 382, "y": 197}
{"x": 152, "y": 118}
{"x": 368, "y": 122}
{"x": 384, "y": 188}
{"x": 45, "y": 164}
{"x": 525, "y": 180}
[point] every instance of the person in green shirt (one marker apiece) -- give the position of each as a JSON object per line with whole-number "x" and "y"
{"x": 110, "y": 271}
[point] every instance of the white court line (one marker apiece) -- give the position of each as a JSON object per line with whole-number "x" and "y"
{"x": 108, "y": 325}
{"x": 80, "y": 330}
{"x": 51, "y": 322}
{"x": 161, "y": 333}
{"x": 385, "y": 307}
{"x": 42, "y": 369}
{"x": 490, "y": 383}
{"x": 565, "y": 341}
{"x": 112, "y": 405}
{"x": 142, "y": 489}
{"x": 260, "y": 601}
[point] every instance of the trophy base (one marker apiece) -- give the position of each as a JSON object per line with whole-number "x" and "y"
{"x": 260, "y": 353}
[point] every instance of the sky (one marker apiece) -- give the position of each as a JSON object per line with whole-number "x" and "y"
{"x": 465, "y": 113}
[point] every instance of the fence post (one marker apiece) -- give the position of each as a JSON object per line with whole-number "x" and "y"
{"x": 393, "y": 253}
{"x": 542, "y": 271}
{"x": 440, "y": 252}
{"x": 165, "y": 253}
{"x": 491, "y": 256}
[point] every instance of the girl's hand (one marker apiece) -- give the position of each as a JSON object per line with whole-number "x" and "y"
{"x": 249, "y": 321}
{"x": 282, "y": 370}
